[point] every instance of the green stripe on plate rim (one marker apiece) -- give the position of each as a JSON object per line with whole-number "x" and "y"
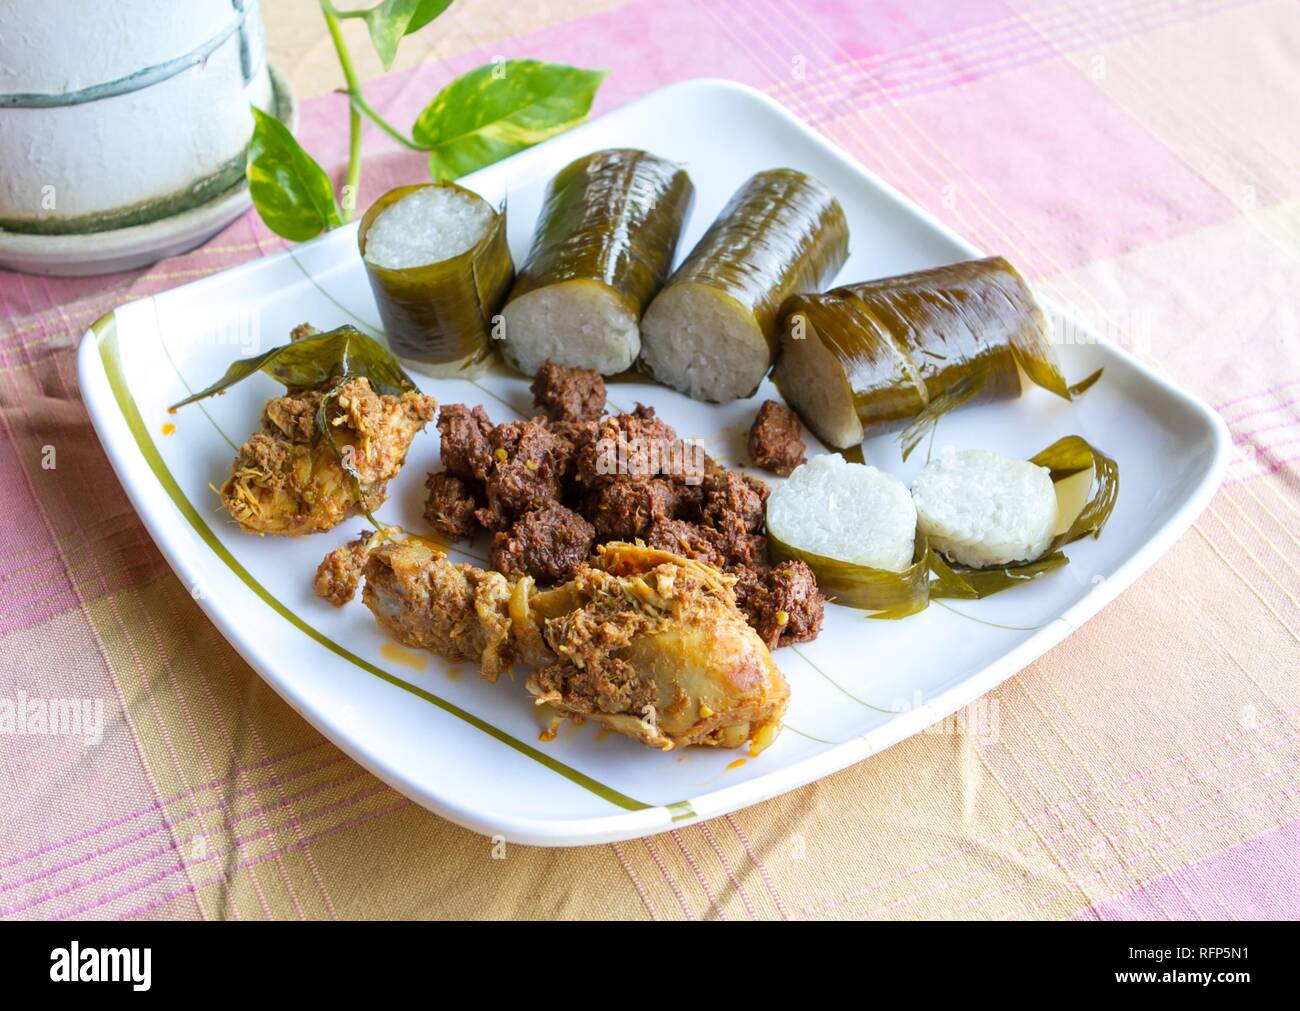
{"x": 105, "y": 330}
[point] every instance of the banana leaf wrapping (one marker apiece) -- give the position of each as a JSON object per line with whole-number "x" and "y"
{"x": 886, "y": 593}
{"x": 438, "y": 317}
{"x": 610, "y": 219}
{"x": 930, "y": 577}
{"x": 781, "y": 233}
{"x": 900, "y": 352}
{"x": 613, "y": 217}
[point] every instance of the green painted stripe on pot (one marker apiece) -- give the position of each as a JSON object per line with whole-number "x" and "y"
{"x": 227, "y": 177}
{"x": 105, "y": 330}
{"x": 245, "y": 49}
{"x": 137, "y": 80}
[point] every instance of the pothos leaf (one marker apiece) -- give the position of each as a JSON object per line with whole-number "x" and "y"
{"x": 331, "y": 358}
{"x": 424, "y": 13}
{"x": 290, "y": 190}
{"x": 387, "y": 22}
{"x": 500, "y": 108}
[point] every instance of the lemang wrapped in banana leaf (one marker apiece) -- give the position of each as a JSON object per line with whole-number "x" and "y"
{"x": 604, "y": 245}
{"x": 438, "y": 263}
{"x": 868, "y": 358}
{"x": 713, "y": 331}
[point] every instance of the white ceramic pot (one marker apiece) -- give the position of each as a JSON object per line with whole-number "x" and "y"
{"x": 118, "y": 114}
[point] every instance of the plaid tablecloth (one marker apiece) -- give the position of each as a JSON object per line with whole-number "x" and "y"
{"x": 1137, "y": 157}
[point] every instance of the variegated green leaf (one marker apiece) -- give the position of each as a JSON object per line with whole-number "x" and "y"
{"x": 387, "y": 22}
{"x": 500, "y": 108}
{"x": 290, "y": 190}
{"x": 424, "y": 13}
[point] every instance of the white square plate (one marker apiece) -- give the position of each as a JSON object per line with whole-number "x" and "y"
{"x": 470, "y": 750}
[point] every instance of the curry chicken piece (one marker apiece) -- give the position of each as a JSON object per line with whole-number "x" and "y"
{"x": 642, "y": 641}
{"x": 287, "y": 478}
{"x": 457, "y": 611}
{"x": 652, "y": 645}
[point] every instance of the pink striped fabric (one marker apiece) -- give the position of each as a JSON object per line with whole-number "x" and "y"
{"x": 1135, "y": 157}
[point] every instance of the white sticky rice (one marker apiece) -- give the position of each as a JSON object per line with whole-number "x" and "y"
{"x": 848, "y": 511}
{"x": 428, "y": 226}
{"x": 981, "y": 508}
{"x": 581, "y": 323}
{"x": 700, "y": 340}
{"x": 812, "y": 381}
